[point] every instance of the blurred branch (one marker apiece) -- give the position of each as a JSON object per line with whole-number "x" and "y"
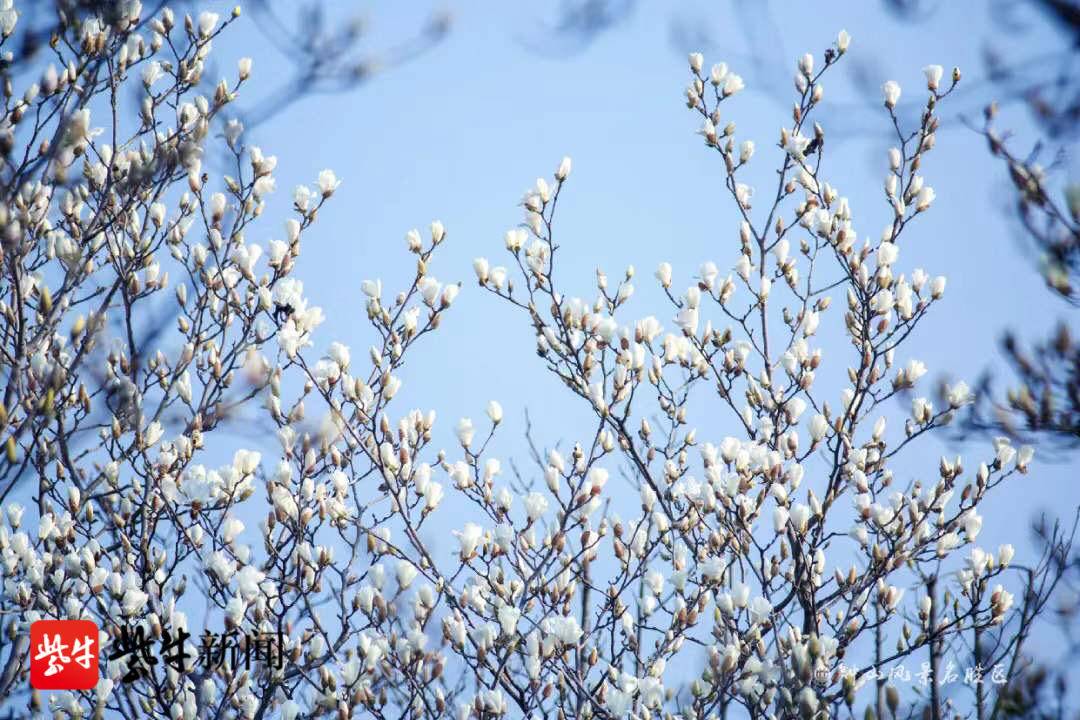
{"x": 1046, "y": 397}
{"x": 577, "y": 23}
{"x": 328, "y": 55}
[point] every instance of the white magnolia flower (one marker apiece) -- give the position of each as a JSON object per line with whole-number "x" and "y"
{"x": 508, "y": 619}
{"x": 663, "y": 274}
{"x": 563, "y": 628}
{"x": 482, "y": 269}
{"x": 1006, "y": 453}
{"x": 339, "y": 353}
{"x": 895, "y": 158}
{"x": 780, "y": 519}
{"x": 290, "y": 709}
{"x": 465, "y": 431}
{"x": 972, "y": 523}
{"x": 1005, "y": 555}
{"x": 563, "y": 171}
{"x": 303, "y": 198}
{"x": 469, "y": 537}
{"x": 760, "y": 610}
{"x": 14, "y": 515}
{"x": 746, "y": 151}
{"x": 618, "y": 703}
{"x": 134, "y": 601}
{"x": 515, "y": 240}
{"x": 234, "y": 609}
{"x": 933, "y": 76}
{"x": 713, "y": 568}
{"x": 843, "y": 40}
{"x": 503, "y": 498}
{"x": 230, "y": 529}
{"x": 433, "y": 495}
{"x": 247, "y": 582}
{"x": 922, "y": 410}
{"x": 406, "y": 573}
{"x": 535, "y": 505}
{"x": 891, "y": 92}
{"x": 732, "y": 84}
{"x": 221, "y": 566}
{"x": 207, "y": 22}
{"x": 946, "y": 543}
{"x": 959, "y": 395}
{"x": 372, "y": 288}
{"x": 718, "y": 73}
{"x": 152, "y": 434}
{"x": 687, "y": 319}
{"x": 1024, "y": 456}
{"x": 328, "y": 183}
{"x": 9, "y": 16}
{"x": 743, "y": 193}
{"x": 978, "y": 560}
{"x": 914, "y": 370}
{"x": 438, "y": 232}
{"x": 924, "y": 199}
{"x": 151, "y": 73}
{"x": 800, "y": 517}
{"x": 1001, "y": 600}
{"x": 794, "y": 408}
{"x": 449, "y": 294}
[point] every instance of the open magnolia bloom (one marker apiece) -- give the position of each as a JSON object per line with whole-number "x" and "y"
{"x": 769, "y": 564}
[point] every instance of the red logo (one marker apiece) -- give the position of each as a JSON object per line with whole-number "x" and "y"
{"x": 63, "y": 655}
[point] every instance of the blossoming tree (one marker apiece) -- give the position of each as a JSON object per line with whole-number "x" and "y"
{"x": 758, "y": 571}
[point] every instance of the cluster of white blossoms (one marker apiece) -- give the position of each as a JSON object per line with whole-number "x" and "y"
{"x": 756, "y": 552}
{"x": 787, "y": 544}
{"x": 137, "y": 318}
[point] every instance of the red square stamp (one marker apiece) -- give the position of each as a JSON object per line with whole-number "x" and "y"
{"x": 63, "y": 655}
